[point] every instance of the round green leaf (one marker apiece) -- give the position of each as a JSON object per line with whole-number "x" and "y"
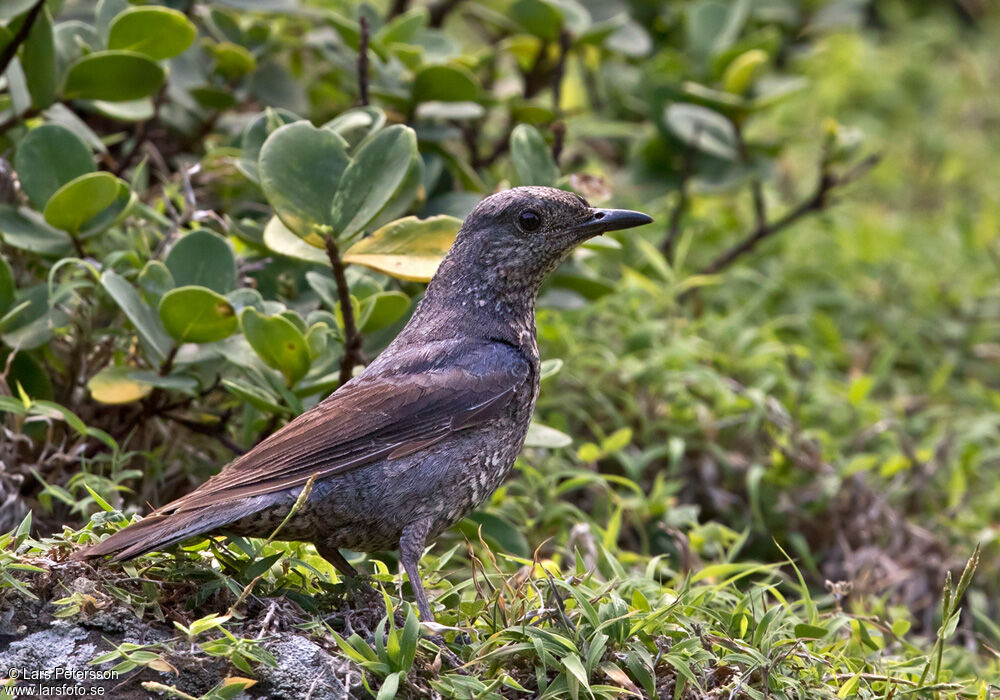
{"x": 279, "y": 239}
{"x": 157, "y": 32}
{"x": 409, "y": 249}
{"x": 445, "y": 84}
{"x": 25, "y": 229}
{"x": 232, "y": 60}
{"x": 300, "y": 168}
{"x": 80, "y": 200}
{"x": 278, "y": 343}
{"x": 532, "y": 158}
{"x": 202, "y": 258}
{"x": 113, "y": 213}
{"x": 47, "y": 158}
{"x": 256, "y": 133}
{"x": 355, "y": 125}
{"x": 381, "y": 310}
{"x": 115, "y": 76}
{"x": 703, "y": 129}
{"x": 375, "y": 174}
{"x": 116, "y": 385}
{"x": 155, "y": 281}
{"x": 197, "y": 315}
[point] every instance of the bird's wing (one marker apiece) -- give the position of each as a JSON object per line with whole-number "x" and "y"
{"x": 383, "y": 416}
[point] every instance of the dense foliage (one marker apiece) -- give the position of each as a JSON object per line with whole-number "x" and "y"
{"x": 767, "y": 427}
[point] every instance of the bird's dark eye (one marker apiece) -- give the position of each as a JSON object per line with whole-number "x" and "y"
{"x": 529, "y": 220}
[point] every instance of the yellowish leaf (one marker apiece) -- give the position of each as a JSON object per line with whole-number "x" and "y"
{"x": 409, "y": 248}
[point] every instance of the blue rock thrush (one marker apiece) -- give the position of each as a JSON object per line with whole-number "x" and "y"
{"x": 429, "y": 429}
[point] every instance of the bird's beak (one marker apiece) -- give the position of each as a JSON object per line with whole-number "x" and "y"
{"x": 603, "y": 220}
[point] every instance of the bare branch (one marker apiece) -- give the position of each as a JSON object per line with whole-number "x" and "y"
{"x": 353, "y": 353}
{"x": 10, "y": 50}
{"x": 817, "y": 201}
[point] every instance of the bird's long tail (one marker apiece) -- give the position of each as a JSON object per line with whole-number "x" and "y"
{"x": 160, "y": 531}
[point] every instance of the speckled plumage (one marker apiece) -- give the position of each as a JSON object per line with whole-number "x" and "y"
{"x": 429, "y": 429}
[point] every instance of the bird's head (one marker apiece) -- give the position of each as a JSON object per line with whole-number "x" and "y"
{"x": 515, "y": 238}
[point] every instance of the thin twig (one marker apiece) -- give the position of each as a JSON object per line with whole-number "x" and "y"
{"x": 353, "y": 354}
{"x": 141, "y": 132}
{"x": 817, "y": 201}
{"x": 756, "y": 188}
{"x": 10, "y": 50}
{"x": 363, "y": 62}
{"x": 683, "y": 198}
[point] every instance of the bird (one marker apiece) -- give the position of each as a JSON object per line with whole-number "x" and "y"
{"x": 428, "y": 430}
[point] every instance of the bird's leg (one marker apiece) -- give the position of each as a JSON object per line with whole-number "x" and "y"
{"x": 332, "y": 554}
{"x": 411, "y": 548}
{"x": 353, "y": 578}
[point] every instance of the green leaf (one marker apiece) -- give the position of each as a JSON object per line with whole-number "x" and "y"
{"x": 546, "y": 18}
{"x": 279, "y": 239}
{"x": 740, "y": 73}
{"x": 129, "y": 111}
{"x": 278, "y": 343}
{"x": 389, "y": 687}
{"x": 713, "y": 25}
{"x": 703, "y": 129}
{"x": 409, "y": 248}
{"x": 115, "y": 76}
{"x": 804, "y": 631}
{"x": 155, "y": 280}
{"x": 47, "y": 158}
{"x": 157, "y": 32}
{"x": 356, "y": 125}
{"x": 113, "y": 213}
{"x": 38, "y": 58}
{"x": 300, "y": 168}
{"x": 197, "y": 315}
{"x": 145, "y": 320}
{"x": 255, "y": 396}
{"x": 254, "y": 136}
{"x": 80, "y": 200}
{"x": 232, "y": 60}
{"x": 203, "y": 258}
{"x": 452, "y": 83}
{"x": 374, "y": 175}
{"x": 381, "y": 310}
{"x": 532, "y": 158}
{"x": 7, "y": 288}
{"x": 115, "y": 385}
{"x": 25, "y": 229}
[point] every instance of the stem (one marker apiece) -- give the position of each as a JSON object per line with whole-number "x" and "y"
{"x": 677, "y": 215}
{"x": 140, "y": 133}
{"x": 363, "y": 62}
{"x": 353, "y": 354}
{"x": 168, "y": 362}
{"x": 10, "y": 50}
{"x": 815, "y": 202}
